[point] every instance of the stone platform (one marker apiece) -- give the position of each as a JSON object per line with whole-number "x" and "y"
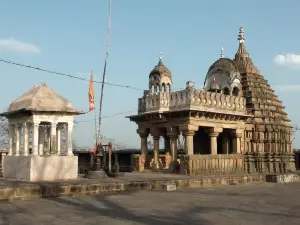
{"x": 21, "y": 190}
{"x": 40, "y": 168}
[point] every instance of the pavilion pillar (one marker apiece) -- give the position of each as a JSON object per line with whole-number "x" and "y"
{"x": 168, "y": 157}
{"x": 53, "y": 148}
{"x": 35, "y": 142}
{"x": 173, "y": 135}
{"x": 189, "y": 131}
{"x": 225, "y": 144}
{"x": 11, "y": 139}
{"x": 144, "y": 147}
{"x": 155, "y": 132}
{"x": 26, "y": 140}
{"x": 70, "y": 147}
{"x": 41, "y": 140}
{"x": 214, "y": 133}
{"x": 58, "y": 144}
{"x": 236, "y": 141}
{"x": 18, "y": 135}
{"x": 156, "y": 151}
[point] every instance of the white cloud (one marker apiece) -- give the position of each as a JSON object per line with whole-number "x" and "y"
{"x": 289, "y": 59}
{"x": 12, "y": 45}
{"x": 287, "y": 88}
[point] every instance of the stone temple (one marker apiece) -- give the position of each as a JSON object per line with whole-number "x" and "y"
{"x": 234, "y": 124}
{"x": 40, "y": 142}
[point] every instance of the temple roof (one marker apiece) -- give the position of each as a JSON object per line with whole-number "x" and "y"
{"x": 224, "y": 64}
{"x": 242, "y": 57}
{"x": 267, "y": 109}
{"x": 42, "y": 98}
{"x": 161, "y": 70}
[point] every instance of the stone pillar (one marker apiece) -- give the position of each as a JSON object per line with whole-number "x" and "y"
{"x": 173, "y": 134}
{"x": 41, "y": 140}
{"x": 53, "y": 148}
{"x": 18, "y": 134}
{"x": 49, "y": 138}
{"x": 189, "y": 137}
{"x": 156, "y": 151}
{"x": 58, "y": 140}
{"x": 189, "y": 131}
{"x": 11, "y": 139}
{"x": 214, "y": 133}
{"x": 26, "y": 140}
{"x": 144, "y": 147}
{"x": 225, "y": 145}
{"x": 155, "y": 132}
{"x": 236, "y": 134}
{"x": 168, "y": 157}
{"x": 35, "y": 136}
{"x": 70, "y": 129}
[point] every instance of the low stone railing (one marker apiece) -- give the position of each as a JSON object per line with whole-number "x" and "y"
{"x": 138, "y": 165}
{"x": 211, "y": 164}
{"x": 191, "y": 98}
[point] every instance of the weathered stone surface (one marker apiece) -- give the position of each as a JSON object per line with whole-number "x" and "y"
{"x": 36, "y": 168}
{"x": 240, "y": 204}
{"x": 283, "y": 178}
{"x": 16, "y": 190}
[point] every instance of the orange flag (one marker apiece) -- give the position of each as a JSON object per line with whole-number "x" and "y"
{"x": 91, "y": 94}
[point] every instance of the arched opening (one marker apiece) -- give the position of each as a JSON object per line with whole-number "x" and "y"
{"x": 152, "y": 89}
{"x": 235, "y": 91}
{"x": 168, "y": 88}
{"x": 155, "y": 89}
{"x": 226, "y": 91}
{"x": 163, "y": 87}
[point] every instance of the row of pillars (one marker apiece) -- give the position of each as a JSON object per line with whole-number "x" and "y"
{"x": 171, "y": 140}
{"x": 19, "y": 131}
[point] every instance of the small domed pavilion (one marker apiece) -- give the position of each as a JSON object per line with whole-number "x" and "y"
{"x": 36, "y": 121}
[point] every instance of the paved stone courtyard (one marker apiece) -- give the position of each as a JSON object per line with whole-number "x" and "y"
{"x": 265, "y": 203}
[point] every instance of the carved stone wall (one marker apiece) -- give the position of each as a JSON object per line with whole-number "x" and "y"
{"x": 192, "y": 99}
{"x": 211, "y": 164}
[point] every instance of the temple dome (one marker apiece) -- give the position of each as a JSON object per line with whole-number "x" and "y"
{"x": 160, "y": 78}
{"x": 41, "y": 98}
{"x": 161, "y": 70}
{"x": 223, "y": 74}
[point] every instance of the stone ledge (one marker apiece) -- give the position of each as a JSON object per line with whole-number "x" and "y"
{"x": 283, "y": 178}
{"x": 36, "y": 191}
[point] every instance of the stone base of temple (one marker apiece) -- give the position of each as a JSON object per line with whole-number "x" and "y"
{"x": 96, "y": 174}
{"x": 264, "y": 162}
{"x": 283, "y": 178}
{"x": 40, "y": 168}
{"x": 211, "y": 164}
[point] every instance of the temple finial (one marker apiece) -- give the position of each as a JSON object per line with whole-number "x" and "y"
{"x": 160, "y": 56}
{"x": 222, "y": 53}
{"x": 241, "y": 36}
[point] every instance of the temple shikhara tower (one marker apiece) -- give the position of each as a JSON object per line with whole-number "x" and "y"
{"x": 234, "y": 124}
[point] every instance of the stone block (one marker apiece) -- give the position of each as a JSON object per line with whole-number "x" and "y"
{"x": 169, "y": 187}
{"x": 38, "y": 168}
{"x": 283, "y": 178}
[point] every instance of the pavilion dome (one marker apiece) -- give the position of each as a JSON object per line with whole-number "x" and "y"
{"x": 161, "y": 70}
{"x": 224, "y": 73}
{"x": 160, "y": 78}
{"x": 41, "y": 98}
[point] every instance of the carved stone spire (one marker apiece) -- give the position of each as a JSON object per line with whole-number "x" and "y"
{"x": 222, "y": 53}
{"x": 160, "y": 59}
{"x": 241, "y": 36}
{"x": 242, "y": 58}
